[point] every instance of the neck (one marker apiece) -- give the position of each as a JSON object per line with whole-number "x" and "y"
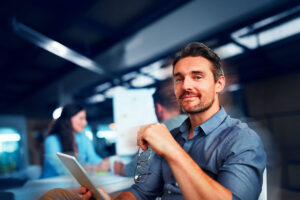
{"x": 199, "y": 118}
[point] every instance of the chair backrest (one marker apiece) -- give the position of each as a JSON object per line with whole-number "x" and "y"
{"x": 263, "y": 194}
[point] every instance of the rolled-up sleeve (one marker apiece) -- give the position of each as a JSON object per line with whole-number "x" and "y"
{"x": 242, "y": 172}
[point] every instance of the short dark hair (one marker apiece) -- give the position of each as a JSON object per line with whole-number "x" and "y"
{"x": 196, "y": 49}
{"x": 164, "y": 95}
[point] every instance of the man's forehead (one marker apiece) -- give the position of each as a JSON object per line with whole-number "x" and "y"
{"x": 193, "y": 65}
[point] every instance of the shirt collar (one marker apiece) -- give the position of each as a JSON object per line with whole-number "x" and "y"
{"x": 207, "y": 127}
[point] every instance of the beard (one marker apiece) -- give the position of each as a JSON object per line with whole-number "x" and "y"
{"x": 201, "y": 107}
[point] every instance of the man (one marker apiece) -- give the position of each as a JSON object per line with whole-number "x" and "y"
{"x": 211, "y": 155}
{"x": 167, "y": 111}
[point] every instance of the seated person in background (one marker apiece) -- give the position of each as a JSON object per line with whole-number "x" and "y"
{"x": 66, "y": 136}
{"x": 167, "y": 111}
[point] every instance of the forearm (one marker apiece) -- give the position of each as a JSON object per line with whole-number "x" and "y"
{"x": 126, "y": 196}
{"x": 192, "y": 180}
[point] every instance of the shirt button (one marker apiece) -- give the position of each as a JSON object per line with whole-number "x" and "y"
{"x": 176, "y": 184}
{"x": 169, "y": 192}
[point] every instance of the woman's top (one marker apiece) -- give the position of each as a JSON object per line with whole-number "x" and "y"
{"x": 53, "y": 166}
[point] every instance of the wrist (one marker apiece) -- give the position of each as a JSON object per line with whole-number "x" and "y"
{"x": 126, "y": 196}
{"x": 172, "y": 151}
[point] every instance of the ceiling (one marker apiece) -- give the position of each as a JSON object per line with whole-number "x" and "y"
{"x": 117, "y": 37}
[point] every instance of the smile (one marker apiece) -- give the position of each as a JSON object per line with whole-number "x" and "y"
{"x": 189, "y": 98}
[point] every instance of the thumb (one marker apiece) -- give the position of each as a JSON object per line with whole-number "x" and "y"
{"x": 106, "y": 196}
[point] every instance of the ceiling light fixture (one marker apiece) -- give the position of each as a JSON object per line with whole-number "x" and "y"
{"x": 228, "y": 50}
{"x": 57, "y": 48}
{"x": 112, "y": 91}
{"x": 96, "y": 98}
{"x": 142, "y": 81}
{"x": 102, "y": 87}
{"x": 259, "y": 34}
{"x": 56, "y": 113}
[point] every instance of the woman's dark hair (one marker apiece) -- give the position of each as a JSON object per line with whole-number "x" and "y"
{"x": 62, "y": 126}
{"x": 196, "y": 49}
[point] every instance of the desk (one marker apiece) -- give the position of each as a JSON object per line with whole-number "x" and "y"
{"x": 34, "y": 189}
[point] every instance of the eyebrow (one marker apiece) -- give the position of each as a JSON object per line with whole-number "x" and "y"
{"x": 177, "y": 74}
{"x": 197, "y": 72}
{"x": 193, "y": 72}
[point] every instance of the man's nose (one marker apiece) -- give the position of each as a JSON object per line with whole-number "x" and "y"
{"x": 187, "y": 84}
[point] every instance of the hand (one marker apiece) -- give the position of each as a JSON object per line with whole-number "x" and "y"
{"x": 104, "y": 165}
{"x": 86, "y": 194}
{"x": 158, "y": 137}
{"x": 119, "y": 168}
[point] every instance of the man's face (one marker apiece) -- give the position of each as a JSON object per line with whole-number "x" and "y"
{"x": 194, "y": 84}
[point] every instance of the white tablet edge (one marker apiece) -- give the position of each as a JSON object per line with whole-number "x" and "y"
{"x": 80, "y": 174}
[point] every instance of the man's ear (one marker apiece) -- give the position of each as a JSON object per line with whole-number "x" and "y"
{"x": 159, "y": 109}
{"x": 220, "y": 84}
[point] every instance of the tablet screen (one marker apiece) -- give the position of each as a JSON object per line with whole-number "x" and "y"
{"x": 80, "y": 174}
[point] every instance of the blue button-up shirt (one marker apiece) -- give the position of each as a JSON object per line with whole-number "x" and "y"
{"x": 225, "y": 148}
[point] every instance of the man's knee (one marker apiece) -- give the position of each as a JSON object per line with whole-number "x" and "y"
{"x": 60, "y": 194}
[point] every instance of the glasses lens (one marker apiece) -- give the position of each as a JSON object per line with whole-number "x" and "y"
{"x": 143, "y": 164}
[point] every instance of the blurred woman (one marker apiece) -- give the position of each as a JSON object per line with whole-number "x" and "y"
{"x": 66, "y": 136}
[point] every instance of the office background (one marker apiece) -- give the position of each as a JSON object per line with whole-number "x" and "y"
{"x": 53, "y": 52}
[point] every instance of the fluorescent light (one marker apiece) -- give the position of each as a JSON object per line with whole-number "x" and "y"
{"x": 108, "y": 135}
{"x": 10, "y": 137}
{"x": 130, "y": 75}
{"x": 271, "y": 35}
{"x": 97, "y": 98}
{"x": 228, "y": 50}
{"x": 142, "y": 81}
{"x": 162, "y": 73}
{"x": 277, "y": 17}
{"x": 233, "y": 87}
{"x": 56, "y": 113}
{"x": 152, "y": 67}
{"x": 102, "y": 87}
{"x": 279, "y": 32}
{"x": 105, "y": 131}
{"x": 57, "y": 48}
{"x": 249, "y": 41}
{"x": 287, "y": 29}
{"x": 110, "y": 92}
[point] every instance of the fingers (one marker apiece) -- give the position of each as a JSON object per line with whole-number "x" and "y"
{"x": 87, "y": 195}
{"x": 117, "y": 167}
{"x": 82, "y": 190}
{"x": 145, "y": 134}
{"x": 157, "y": 136}
{"x": 141, "y": 137}
{"x": 107, "y": 197}
{"x": 104, "y": 165}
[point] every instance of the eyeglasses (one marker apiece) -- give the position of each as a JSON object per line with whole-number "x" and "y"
{"x": 142, "y": 167}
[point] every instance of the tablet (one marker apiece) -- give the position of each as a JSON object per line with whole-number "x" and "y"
{"x": 80, "y": 174}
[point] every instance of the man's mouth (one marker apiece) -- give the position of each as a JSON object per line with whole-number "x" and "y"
{"x": 188, "y": 96}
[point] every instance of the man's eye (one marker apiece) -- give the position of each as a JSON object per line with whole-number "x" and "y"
{"x": 178, "y": 79}
{"x": 198, "y": 77}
